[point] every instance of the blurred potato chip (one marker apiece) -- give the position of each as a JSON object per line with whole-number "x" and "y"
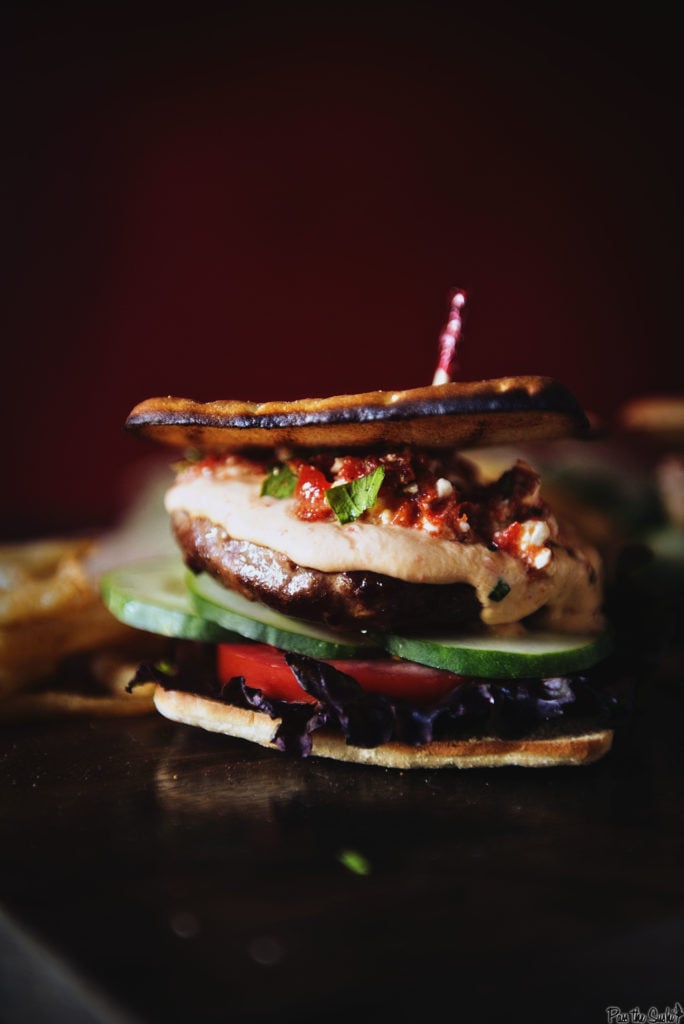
{"x": 94, "y": 685}
{"x": 658, "y": 419}
{"x": 38, "y": 580}
{"x": 51, "y": 612}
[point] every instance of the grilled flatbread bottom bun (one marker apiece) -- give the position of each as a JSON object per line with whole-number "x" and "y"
{"x": 258, "y": 727}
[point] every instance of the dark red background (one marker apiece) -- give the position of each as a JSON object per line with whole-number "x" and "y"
{"x": 274, "y": 201}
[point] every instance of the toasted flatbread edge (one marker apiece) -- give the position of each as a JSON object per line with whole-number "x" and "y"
{"x": 257, "y": 727}
{"x": 475, "y": 412}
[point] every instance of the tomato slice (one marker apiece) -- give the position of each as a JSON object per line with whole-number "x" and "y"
{"x": 264, "y": 668}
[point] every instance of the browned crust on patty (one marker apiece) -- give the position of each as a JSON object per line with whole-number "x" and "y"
{"x": 488, "y": 752}
{"x": 463, "y": 414}
{"x": 340, "y": 600}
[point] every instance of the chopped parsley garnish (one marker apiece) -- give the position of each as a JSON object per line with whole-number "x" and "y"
{"x": 500, "y": 590}
{"x": 349, "y": 501}
{"x": 354, "y": 861}
{"x": 194, "y": 455}
{"x": 280, "y": 482}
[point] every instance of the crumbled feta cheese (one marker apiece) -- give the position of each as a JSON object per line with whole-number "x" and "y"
{"x": 541, "y": 558}
{"x": 444, "y": 487}
{"x": 430, "y": 527}
{"x": 535, "y": 533}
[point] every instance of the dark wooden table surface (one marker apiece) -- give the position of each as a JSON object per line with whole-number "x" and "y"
{"x": 155, "y": 873}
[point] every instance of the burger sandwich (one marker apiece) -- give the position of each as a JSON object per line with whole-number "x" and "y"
{"x": 352, "y": 586}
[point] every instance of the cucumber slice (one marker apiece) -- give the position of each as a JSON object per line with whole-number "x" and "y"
{"x": 152, "y": 595}
{"x": 258, "y": 622}
{"x": 161, "y": 596}
{"x": 486, "y": 655}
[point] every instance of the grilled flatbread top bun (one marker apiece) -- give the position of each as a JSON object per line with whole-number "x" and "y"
{"x": 452, "y": 415}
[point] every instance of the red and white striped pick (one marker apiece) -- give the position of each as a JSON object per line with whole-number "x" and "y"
{"x": 449, "y": 338}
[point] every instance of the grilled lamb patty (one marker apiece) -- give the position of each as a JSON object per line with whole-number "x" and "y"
{"x": 341, "y": 600}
